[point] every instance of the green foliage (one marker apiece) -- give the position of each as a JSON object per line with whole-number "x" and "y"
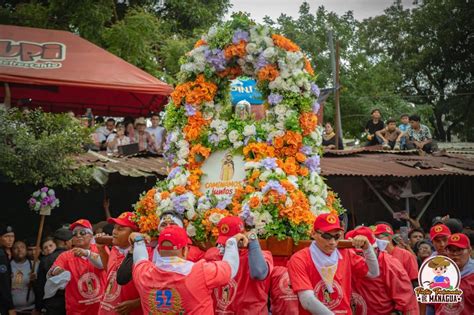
{"x": 37, "y": 148}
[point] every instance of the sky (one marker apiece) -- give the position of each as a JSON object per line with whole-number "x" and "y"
{"x": 273, "y": 8}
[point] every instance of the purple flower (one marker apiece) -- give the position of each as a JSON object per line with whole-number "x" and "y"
{"x": 274, "y": 98}
{"x": 269, "y": 163}
{"x": 246, "y": 215}
{"x": 44, "y": 189}
{"x": 213, "y": 138}
{"x": 190, "y": 110}
{"x": 240, "y": 35}
{"x": 315, "y": 89}
{"x": 177, "y": 203}
{"x": 173, "y": 172}
{"x": 216, "y": 58}
{"x": 316, "y": 107}
{"x": 306, "y": 150}
{"x": 312, "y": 163}
{"x": 170, "y": 158}
{"x": 261, "y": 62}
{"x": 44, "y": 203}
{"x": 222, "y": 204}
{"x": 274, "y": 185}
{"x": 32, "y": 201}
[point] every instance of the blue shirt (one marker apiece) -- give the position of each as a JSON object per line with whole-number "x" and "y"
{"x": 403, "y": 127}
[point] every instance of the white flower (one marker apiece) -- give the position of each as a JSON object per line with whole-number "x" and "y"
{"x": 181, "y": 162}
{"x": 261, "y": 220}
{"x": 157, "y": 197}
{"x": 190, "y": 201}
{"x": 191, "y": 230}
{"x": 249, "y": 130}
{"x": 316, "y": 136}
{"x": 279, "y": 171}
{"x": 264, "y": 176}
{"x": 190, "y": 214}
{"x": 269, "y": 53}
{"x": 280, "y": 110}
{"x": 212, "y": 32}
{"x": 215, "y": 218}
{"x": 233, "y": 136}
{"x": 280, "y": 125}
{"x": 250, "y": 165}
{"x": 165, "y": 204}
{"x": 219, "y": 125}
{"x": 288, "y": 202}
{"x": 238, "y": 144}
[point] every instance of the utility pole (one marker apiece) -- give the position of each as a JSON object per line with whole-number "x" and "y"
{"x": 335, "y": 80}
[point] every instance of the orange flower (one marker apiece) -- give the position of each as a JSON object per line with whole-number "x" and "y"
{"x": 303, "y": 171}
{"x": 164, "y": 195}
{"x": 194, "y": 92}
{"x": 308, "y": 122}
{"x": 268, "y": 73}
{"x": 293, "y": 138}
{"x": 230, "y": 72}
{"x": 195, "y": 124}
{"x": 308, "y": 67}
{"x": 299, "y": 212}
{"x": 287, "y": 185}
{"x": 278, "y": 142}
{"x": 285, "y": 43}
{"x": 194, "y": 181}
{"x": 198, "y": 151}
{"x": 200, "y": 43}
{"x": 249, "y": 189}
{"x": 300, "y": 157}
{"x": 256, "y": 151}
{"x": 179, "y": 92}
{"x": 254, "y": 202}
{"x": 290, "y": 168}
{"x": 234, "y": 50}
{"x": 179, "y": 190}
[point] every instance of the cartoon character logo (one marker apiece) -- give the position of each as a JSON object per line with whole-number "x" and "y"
{"x": 438, "y": 228}
{"x": 440, "y": 266}
{"x": 285, "y": 285}
{"x": 331, "y": 300}
{"x": 227, "y": 169}
{"x": 89, "y": 285}
{"x": 224, "y": 229}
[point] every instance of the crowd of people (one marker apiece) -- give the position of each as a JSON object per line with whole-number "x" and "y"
{"x": 130, "y": 273}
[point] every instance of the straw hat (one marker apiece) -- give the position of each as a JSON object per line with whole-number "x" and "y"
{"x": 140, "y": 121}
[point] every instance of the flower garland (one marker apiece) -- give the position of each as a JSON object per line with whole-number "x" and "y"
{"x": 283, "y": 191}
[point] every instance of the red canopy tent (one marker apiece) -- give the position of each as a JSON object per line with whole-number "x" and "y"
{"x": 60, "y": 71}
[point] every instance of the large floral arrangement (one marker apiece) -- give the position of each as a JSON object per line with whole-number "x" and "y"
{"x": 43, "y": 200}
{"x": 283, "y": 191}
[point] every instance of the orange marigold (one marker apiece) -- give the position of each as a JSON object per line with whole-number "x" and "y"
{"x": 285, "y": 43}
{"x": 235, "y": 50}
{"x": 308, "y": 67}
{"x": 254, "y": 202}
{"x": 308, "y": 122}
{"x": 256, "y": 151}
{"x": 268, "y": 73}
{"x": 299, "y": 212}
{"x": 230, "y": 72}
{"x": 195, "y": 124}
{"x": 197, "y": 155}
{"x": 200, "y": 43}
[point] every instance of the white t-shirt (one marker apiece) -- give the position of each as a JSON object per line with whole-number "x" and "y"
{"x": 20, "y": 281}
{"x": 157, "y": 134}
{"x": 125, "y": 140}
{"x": 103, "y": 133}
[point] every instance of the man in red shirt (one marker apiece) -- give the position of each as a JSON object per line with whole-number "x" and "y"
{"x": 174, "y": 285}
{"x": 247, "y": 293}
{"x": 459, "y": 250}
{"x": 439, "y": 235}
{"x": 283, "y": 299}
{"x": 389, "y": 293}
{"x": 120, "y": 299}
{"x": 84, "y": 268}
{"x": 407, "y": 259}
{"x": 321, "y": 274}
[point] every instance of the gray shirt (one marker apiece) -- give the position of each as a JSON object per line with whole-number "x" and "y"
{"x": 20, "y": 282}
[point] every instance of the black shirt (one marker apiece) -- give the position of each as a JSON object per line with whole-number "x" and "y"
{"x": 372, "y": 128}
{"x": 6, "y": 302}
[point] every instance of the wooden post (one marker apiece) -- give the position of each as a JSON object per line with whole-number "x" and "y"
{"x": 37, "y": 249}
{"x": 337, "y": 112}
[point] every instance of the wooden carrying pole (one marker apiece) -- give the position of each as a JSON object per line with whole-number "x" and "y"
{"x": 37, "y": 249}
{"x": 337, "y": 114}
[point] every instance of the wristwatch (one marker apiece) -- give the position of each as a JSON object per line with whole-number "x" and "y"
{"x": 138, "y": 238}
{"x": 252, "y": 236}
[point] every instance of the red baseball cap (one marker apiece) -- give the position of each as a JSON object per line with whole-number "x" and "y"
{"x": 327, "y": 222}
{"x": 383, "y": 228}
{"x": 125, "y": 219}
{"x": 81, "y": 222}
{"x": 350, "y": 234}
{"x": 439, "y": 230}
{"x": 459, "y": 240}
{"x": 228, "y": 227}
{"x": 175, "y": 235}
{"x": 365, "y": 231}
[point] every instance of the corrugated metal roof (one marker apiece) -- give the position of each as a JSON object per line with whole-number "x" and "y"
{"x": 370, "y": 164}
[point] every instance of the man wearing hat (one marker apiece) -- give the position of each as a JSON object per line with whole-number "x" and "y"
{"x": 321, "y": 274}
{"x": 389, "y": 293}
{"x": 142, "y": 137}
{"x": 119, "y": 299}
{"x": 459, "y": 250}
{"x": 439, "y": 235}
{"x": 7, "y": 238}
{"x": 406, "y": 258}
{"x": 175, "y": 285}
{"x": 55, "y": 304}
{"x": 247, "y": 293}
{"x": 83, "y": 267}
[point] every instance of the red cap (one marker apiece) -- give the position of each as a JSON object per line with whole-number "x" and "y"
{"x": 439, "y": 230}
{"x": 81, "y": 222}
{"x": 350, "y": 234}
{"x": 228, "y": 227}
{"x": 125, "y": 219}
{"x": 175, "y": 235}
{"x": 365, "y": 231}
{"x": 459, "y": 240}
{"x": 327, "y": 222}
{"x": 383, "y": 228}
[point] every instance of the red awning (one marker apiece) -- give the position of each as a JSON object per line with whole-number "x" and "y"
{"x": 60, "y": 71}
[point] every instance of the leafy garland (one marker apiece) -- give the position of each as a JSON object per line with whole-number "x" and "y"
{"x": 283, "y": 191}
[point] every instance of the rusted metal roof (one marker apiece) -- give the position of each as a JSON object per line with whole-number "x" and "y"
{"x": 368, "y": 164}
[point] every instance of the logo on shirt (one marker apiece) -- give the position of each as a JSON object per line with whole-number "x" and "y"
{"x": 439, "y": 280}
{"x": 89, "y": 285}
{"x": 358, "y": 304}
{"x": 112, "y": 291}
{"x": 225, "y": 295}
{"x": 165, "y": 301}
{"x": 285, "y": 286}
{"x": 331, "y": 300}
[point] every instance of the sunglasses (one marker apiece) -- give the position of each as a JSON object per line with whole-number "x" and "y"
{"x": 80, "y": 233}
{"x": 329, "y": 236}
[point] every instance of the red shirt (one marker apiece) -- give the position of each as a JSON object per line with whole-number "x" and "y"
{"x": 282, "y": 298}
{"x": 165, "y": 292}
{"x": 466, "y": 306}
{"x": 114, "y": 293}
{"x": 242, "y": 295}
{"x": 408, "y": 261}
{"x": 304, "y": 276}
{"x": 195, "y": 254}
{"x": 392, "y": 290}
{"x": 86, "y": 287}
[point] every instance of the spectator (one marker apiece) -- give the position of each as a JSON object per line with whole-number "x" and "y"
{"x": 423, "y": 249}
{"x": 130, "y": 130}
{"x": 454, "y": 225}
{"x": 157, "y": 132}
{"x": 404, "y": 124}
{"x": 414, "y": 236}
{"x": 372, "y": 126}
{"x": 32, "y": 252}
{"x": 439, "y": 234}
{"x": 329, "y": 138}
{"x": 419, "y": 136}
{"x": 390, "y": 135}
{"x": 144, "y": 139}
{"x": 7, "y": 237}
{"x": 117, "y": 139}
{"x": 105, "y": 131}
{"x": 48, "y": 246}
{"x": 23, "y": 277}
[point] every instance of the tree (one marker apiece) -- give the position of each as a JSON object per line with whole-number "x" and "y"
{"x": 433, "y": 47}
{"x": 37, "y": 148}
